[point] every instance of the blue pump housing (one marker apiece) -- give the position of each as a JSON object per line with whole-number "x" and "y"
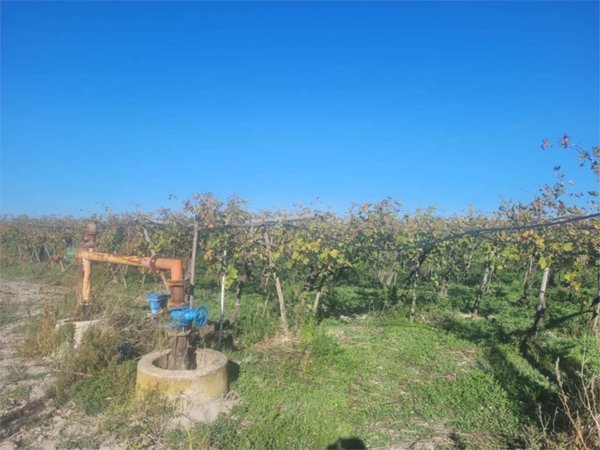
{"x": 157, "y": 302}
{"x": 186, "y": 317}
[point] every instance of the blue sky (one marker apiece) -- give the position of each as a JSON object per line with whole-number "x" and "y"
{"x": 444, "y": 104}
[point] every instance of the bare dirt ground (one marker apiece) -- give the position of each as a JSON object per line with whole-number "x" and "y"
{"x": 28, "y": 417}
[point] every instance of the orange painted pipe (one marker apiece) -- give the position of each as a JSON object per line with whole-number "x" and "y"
{"x": 90, "y": 243}
{"x": 173, "y": 265}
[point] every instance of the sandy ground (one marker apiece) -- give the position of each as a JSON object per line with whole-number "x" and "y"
{"x": 28, "y": 418}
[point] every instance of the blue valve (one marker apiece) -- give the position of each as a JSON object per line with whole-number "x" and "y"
{"x": 186, "y": 317}
{"x": 157, "y": 302}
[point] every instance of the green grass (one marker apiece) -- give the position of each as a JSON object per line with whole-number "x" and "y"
{"x": 445, "y": 379}
{"x": 110, "y": 386}
{"x": 391, "y": 382}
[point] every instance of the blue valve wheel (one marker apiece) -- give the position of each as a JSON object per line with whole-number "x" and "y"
{"x": 186, "y": 317}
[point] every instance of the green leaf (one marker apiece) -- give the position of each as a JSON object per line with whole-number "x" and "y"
{"x": 567, "y": 247}
{"x": 544, "y": 262}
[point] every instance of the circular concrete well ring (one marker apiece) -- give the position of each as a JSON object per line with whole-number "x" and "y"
{"x": 209, "y": 380}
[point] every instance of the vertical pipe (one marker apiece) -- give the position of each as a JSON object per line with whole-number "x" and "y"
{"x": 87, "y": 281}
{"x": 90, "y": 243}
{"x": 180, "y": 352}
{"x": 222, "y": 299}
{"x": 193, "y": 262}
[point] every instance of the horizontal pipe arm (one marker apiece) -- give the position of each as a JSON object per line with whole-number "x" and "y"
{"x": 138, "y": 261}
{"x": 173, "y": 265}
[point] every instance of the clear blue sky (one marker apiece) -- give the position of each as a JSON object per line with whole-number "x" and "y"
{"x": 445, "y": 104}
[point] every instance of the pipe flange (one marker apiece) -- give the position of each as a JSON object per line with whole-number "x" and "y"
{"x": 178, "y": 283}
{"x": 152, "y": 262}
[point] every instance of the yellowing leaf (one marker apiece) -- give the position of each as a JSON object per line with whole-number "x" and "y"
{"x": 544, "y": 262}
{"x": 567, "y": 246}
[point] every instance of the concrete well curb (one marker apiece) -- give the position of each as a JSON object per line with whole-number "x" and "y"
{"x": 208, "y": 381}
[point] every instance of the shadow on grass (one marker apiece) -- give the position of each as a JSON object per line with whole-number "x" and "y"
{"x": 481, "y": 331}
{"x": 233, "y": 370}
{"x": 208, "y": 336}
{"x": 519, "y": 364}
{"x": 560, "y": 321}
{"x": 350, "y": 301}
{"x": 352, "y": 443}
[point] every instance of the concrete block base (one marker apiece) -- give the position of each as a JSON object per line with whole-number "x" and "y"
{"x": 208, "y": 381}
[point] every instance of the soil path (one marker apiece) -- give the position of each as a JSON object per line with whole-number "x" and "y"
{"x": 28, "y": 417}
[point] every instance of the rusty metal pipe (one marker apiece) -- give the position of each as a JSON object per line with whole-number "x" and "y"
{"x": 90, "y": 243}
{"x": 87, "y": 281}
{"x": 138, "y": 261}
{"x": 172, "y": 265}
